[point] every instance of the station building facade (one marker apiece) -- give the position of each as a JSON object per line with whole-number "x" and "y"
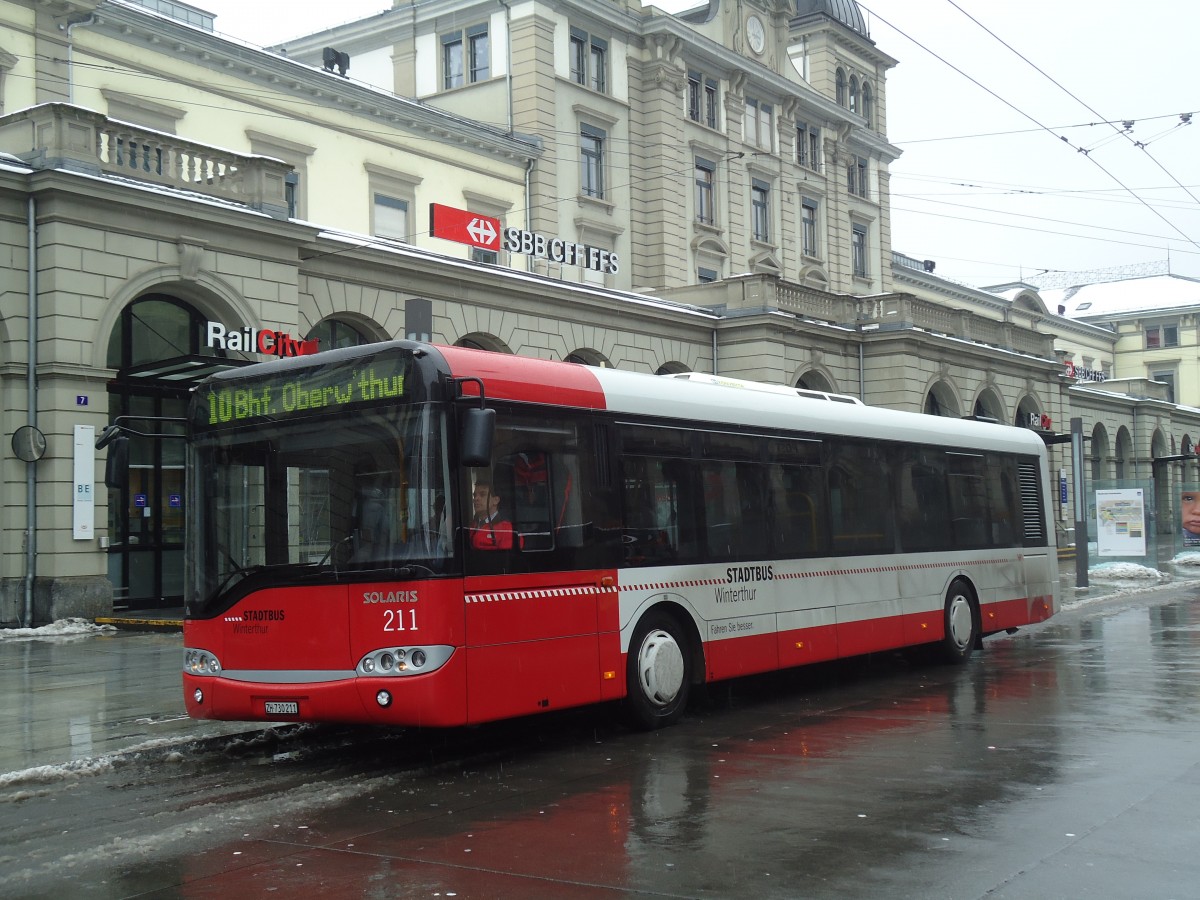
{"x": 125, "y": 323}
{"x": 737, "y": 137}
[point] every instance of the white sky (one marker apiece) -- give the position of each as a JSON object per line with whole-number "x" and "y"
{"x": 982, "y": 187}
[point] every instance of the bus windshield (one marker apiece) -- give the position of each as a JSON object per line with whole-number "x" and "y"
{"x": 310, "y": 499}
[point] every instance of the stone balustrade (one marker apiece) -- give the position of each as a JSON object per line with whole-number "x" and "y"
{"x": 61, "y": 136}
{"x": 884, "y": 312}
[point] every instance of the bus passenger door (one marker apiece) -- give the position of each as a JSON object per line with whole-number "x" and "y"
{"x": 535, "y": 582}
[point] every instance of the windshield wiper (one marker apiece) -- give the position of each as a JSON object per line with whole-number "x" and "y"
{"x": 239, "y": 570}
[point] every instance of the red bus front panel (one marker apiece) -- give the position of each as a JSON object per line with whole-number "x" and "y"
{"x": 294, "y": 654}
{"x": 533, "y": 643}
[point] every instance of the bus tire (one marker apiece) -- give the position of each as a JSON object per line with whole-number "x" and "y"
{"x": 961, "y": 620}
{"x": 658, "y": 672}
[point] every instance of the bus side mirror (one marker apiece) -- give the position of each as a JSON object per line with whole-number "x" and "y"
{"x": 116, "y": 466}
{"x": 479, "y": 428}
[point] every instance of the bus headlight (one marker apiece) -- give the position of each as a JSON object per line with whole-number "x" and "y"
{"x": 399, "y": 661}
{"x": 200, "y": 662}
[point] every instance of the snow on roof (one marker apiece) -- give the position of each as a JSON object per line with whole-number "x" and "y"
{"x": 1130, "y": 295}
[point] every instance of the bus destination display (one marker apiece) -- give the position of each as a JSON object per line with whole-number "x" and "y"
{"x": 313, "y": 391}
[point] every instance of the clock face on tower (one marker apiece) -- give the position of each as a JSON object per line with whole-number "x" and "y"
{"x": 756, "y": 34}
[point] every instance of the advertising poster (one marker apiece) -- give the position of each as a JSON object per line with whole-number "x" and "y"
{"x": 83, "y": 512}
{"x": 1120, "y": 523}
{"x": 1189, "y": 518}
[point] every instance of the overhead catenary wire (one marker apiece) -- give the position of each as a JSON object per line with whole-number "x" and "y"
{"x": 1019, "y": 131}
{"x": 1035, "y": 121}
{"x": 1121, "y": 132}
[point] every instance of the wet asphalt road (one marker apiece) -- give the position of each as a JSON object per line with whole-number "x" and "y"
{"x": 1061, "y": 762}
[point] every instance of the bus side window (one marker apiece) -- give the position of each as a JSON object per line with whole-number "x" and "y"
{"x": 661, "y": 509}
{"x": 549, "y": 493}
{"x": 968, "y": 500}
{"x": 921, "y": 500}
{"x": 733, "y": 510}
{"x": 650, "y": 533}
{"x": 1002, "y": 500}
{"x": 797, "y": 509}
{"x": 861, "y": 515}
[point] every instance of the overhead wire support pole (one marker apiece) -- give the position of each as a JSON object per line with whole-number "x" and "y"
{"x": 1081, "y": 535}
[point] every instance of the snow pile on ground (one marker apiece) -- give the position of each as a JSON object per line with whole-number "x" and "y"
{"x": 1189, "y": 558}
{"x": 1126, "y": 571}
{"x": 71, "y": 629}
{"x": 78, "y": 768}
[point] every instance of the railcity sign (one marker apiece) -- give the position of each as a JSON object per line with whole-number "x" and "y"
{"x": 255, "y": 340}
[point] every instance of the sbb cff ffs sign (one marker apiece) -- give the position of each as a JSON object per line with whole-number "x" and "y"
{"x": 485, "y": 232}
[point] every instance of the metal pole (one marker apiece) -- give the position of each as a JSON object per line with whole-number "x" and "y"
{"x": 31, "y": 415}
{"x": 1081, "y": 532}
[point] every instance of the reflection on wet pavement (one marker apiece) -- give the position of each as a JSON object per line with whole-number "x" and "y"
{"x": 1060, "y": 763}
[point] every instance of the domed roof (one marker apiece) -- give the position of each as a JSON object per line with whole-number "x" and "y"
{"x": 844, "y": 11}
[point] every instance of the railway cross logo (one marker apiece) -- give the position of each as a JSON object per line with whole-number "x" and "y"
{"x": 481, "y": 229}
{"x": 464, "y": 227}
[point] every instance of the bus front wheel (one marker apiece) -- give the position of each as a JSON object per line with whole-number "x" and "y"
{"x": 961, "y": 624}
{"x": 658, "y": 672}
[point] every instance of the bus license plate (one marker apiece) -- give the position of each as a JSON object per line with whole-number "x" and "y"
{"x": 282, "y": 707}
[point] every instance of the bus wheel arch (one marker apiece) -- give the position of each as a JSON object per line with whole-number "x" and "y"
{"x": 963, "y": 622}
{"x": 664, "y": 661}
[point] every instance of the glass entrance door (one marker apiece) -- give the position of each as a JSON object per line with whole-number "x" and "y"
{"x": 157, "y": 351}
{"x": 146, "y": 524}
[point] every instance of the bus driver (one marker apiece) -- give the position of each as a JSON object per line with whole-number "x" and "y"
{"x": 489, "y": 530}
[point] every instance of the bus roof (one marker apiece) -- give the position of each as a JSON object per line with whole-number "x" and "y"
{"x": 720, "y": 400}
{"x": 652, "y": 395}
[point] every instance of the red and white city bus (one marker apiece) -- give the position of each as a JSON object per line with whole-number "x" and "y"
{"x": 411, "y": 534}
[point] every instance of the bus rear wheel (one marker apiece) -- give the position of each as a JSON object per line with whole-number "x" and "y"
{"x": 961, "y": 624}
{"x": 658, "y": 672}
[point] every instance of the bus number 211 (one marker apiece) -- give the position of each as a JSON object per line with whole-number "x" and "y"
{"x": 393, "y": 620}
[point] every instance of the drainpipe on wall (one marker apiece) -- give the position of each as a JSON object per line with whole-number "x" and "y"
{"x": 508, "y": 60}
{"x": 714, "y": 342}
{"x": 31, "y": 415}
{"x": 89, "y": 19}
{"x": 528, "y": 207}
{"x": 862, "y": 378}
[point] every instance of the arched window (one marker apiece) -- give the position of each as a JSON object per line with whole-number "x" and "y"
{"x": 989, "y": 406}
{"x": 814, "y": 381}
{"x": 940, "y": 401}
{"x": 478, "y": 340}
{"x": 840, "y": 91}
{"x": 156, "y": 328}
{"x": 1099, "y": 449}
{"x": 333, "y": 334}
{"x": 588, "y": 357}
{"x": 853, "y": 93}
{"x": 868, "y": 105}
{"x": 1028, "y": 414}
